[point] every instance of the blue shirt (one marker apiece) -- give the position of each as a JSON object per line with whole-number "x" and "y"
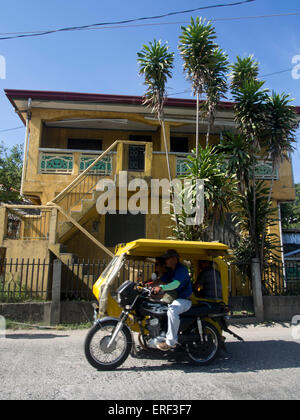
{"x": 167, "y": 277}
{"x": 181, "y": 274}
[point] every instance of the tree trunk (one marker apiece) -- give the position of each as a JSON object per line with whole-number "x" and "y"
{"x": 162, "y": 123}
{"x": 254, "y": 237}
{"x": 197, "y": 131}
{"x": 264, "y": 226}
{"x": 208, "y": 134}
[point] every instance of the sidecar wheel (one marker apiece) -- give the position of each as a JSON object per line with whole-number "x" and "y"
{"x": 203, "y": 353}
{"x": 95, "y": 347}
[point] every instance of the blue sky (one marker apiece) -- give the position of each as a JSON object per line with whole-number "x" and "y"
{"x": 104, "y": 60}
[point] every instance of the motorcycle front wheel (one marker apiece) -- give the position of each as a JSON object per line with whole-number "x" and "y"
{"x": 203, "y": 352}
{"x": 96, "y": 349}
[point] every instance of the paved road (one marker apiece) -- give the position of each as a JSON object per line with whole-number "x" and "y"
{"x": 50, "y": 364}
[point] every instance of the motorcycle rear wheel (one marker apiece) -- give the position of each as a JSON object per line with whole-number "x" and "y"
{"x": 204, "y": 352}
{"x": 95, "y": 347}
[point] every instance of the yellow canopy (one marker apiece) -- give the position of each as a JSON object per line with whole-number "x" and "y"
{"x": 186, "y": 249}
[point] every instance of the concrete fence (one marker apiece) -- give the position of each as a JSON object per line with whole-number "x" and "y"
{"x": 276, "y": 308}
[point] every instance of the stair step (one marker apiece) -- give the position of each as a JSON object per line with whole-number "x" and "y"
{"x": 81, "y": 210}
{"x": 69, "y": 258}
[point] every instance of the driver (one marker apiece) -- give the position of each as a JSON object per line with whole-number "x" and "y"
{"x": 181, "y": 282}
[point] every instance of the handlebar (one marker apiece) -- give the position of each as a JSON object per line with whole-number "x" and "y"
{"x": 144, "y": 289}
{"x": 148, "y": 290}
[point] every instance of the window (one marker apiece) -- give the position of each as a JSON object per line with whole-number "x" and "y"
{"x": 179, "y": 144}
{"x": 85, "y": 144}
{"x": 139, "y": 137}
{"x": 136, "y": 158}
{"x": 122, "y": 228}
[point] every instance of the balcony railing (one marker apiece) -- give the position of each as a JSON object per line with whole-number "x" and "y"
{"x": 104, "y": 167}
{"x": 263, "y": 170}
{"x": 64, "y": 162}
{"x": 27, "y": 222}
{"x": 59, "y": 161}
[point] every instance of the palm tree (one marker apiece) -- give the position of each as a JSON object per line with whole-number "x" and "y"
{"x": 219, "y": 194}
{"x": 216, "y": 87}
{"x": 238, "y": 157}
{"x": 243, "y": 70}
{"x": 156, "y": 64}
{"x": 280, "y": 126}
{"x": 250, "y": 98}
{"x": 196, "y": 48}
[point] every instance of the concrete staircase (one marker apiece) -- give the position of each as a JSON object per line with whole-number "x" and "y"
{"x": 80, "y": 214}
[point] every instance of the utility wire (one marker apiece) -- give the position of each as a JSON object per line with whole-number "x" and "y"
{"x": 76, "y": 28}
{"x": 165, "y": 23}
{"x": 277, "y": 72}
{"x": 186, "y": 22}
{"x": 11, "y": 129}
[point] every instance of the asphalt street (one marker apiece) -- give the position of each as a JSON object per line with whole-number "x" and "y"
{"x": 50, "y": 364}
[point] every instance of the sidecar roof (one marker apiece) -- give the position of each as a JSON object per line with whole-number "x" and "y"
{"x": 186, "y": 249}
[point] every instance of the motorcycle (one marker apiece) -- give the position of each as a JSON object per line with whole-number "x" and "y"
{"x": 110, "y": 340}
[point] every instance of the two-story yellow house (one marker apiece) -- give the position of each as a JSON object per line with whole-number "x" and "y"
{"x": 67, "y": 132}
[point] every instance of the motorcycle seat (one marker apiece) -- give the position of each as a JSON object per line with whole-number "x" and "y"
{"x": 203, "y": 309}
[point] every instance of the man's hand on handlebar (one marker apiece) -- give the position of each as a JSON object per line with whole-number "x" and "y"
{"x": 157, "y": 290}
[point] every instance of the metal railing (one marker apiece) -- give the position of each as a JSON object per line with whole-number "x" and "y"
{"x": 27, "y": 222}
{"x": 24, "y": 280}
{"x": 282, "y": 279}
{"x": 79, "y": 277}
{"x": 31, "y": 279}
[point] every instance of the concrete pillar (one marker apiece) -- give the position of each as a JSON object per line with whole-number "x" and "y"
{"x": 53, "y": 227}
{"x": 257, "y": 289}
{"x": 3, "y": 224}
{"x": 56, "y": 289}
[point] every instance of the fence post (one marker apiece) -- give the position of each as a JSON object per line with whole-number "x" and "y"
{"x": 56, "y": 288}
{"x": 257, "y": 290}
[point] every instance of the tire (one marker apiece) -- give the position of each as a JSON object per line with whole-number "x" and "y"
{"x": 202, "y": 354}
{"x": 96, "y": 341}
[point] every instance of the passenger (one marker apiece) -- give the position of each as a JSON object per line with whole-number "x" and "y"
{"x": 181, "y": 282}
{"x": 164, "y": 277}
{"x": 161, "y": 271}
{"x": 161, "y": 274}
{"x": 208, "y": 284}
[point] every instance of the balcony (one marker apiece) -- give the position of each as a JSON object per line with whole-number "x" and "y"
{"x": 136, "y": 158}
{"x": 64, "y": 162}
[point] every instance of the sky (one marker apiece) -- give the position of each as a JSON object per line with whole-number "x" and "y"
{"x": 105, "y": 60}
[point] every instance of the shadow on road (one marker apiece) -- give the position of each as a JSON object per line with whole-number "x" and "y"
{"x": 241, "y": 357}
{"x": 33, "y": 336}
{"x": 266, "y": 324}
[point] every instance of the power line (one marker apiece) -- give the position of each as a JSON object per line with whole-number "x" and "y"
{"x": 11, "y": 129}
{"x": 165, "y": 23}
{"x": 76, "y": 28}
{"x": 277, "y": 72}
{"x": 186, "y": 22}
